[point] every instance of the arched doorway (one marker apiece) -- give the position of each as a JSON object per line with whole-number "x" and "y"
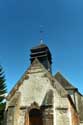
{"x": 35, "y": 117}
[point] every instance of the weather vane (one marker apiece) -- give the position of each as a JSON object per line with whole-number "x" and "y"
{"x": 41, "y": 34}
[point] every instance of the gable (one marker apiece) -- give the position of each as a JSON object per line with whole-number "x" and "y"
{"x": 34, "y": 89}
{"x": 35, "y": 67}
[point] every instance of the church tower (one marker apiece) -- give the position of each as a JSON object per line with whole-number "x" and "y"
{"x": 42, "y": 53}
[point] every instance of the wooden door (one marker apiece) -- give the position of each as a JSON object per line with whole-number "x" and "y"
{"x": 35, "y": 117}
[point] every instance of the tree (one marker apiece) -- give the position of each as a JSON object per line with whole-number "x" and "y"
{"x": 3, "y": 91}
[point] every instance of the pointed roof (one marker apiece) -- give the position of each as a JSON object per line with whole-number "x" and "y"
{"x": 66, "y": 84}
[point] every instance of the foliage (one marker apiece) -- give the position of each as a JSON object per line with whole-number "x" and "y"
{"x": 2, "y": 93}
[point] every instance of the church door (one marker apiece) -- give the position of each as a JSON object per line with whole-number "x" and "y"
{"x": 35, "y": 117}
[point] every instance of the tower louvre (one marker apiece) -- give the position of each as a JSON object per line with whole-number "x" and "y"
{"x": 42, "y": 53}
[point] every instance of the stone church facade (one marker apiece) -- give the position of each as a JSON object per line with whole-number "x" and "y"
{"x": 39, "y": 98}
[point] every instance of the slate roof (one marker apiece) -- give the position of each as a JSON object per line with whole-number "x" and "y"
{"x": 66, "y": 84}
{"x": 39, "y": 47}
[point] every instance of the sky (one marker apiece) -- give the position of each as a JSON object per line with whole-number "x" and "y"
{"x": 62, "y": 22}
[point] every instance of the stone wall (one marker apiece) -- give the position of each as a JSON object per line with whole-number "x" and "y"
{"x": 79, "y": 105}
{"x": 60, "y": 110}
{"x": 47, "y": 116}
{"x": 64, "y": 111}
{"x": 10, "y": 115}
{"x": 81, "y": 123}
{"x": 73, "y": 115}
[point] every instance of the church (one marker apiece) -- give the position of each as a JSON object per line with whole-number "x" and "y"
{"x": 39, "y": 98}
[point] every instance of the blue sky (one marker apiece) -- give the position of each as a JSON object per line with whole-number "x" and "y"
{"x": 62, "y": 22}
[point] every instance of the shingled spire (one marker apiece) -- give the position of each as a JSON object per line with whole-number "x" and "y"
{"x": 42, "y": 53}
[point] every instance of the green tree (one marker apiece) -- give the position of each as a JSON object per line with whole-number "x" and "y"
{"x": 3, "y": 91}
